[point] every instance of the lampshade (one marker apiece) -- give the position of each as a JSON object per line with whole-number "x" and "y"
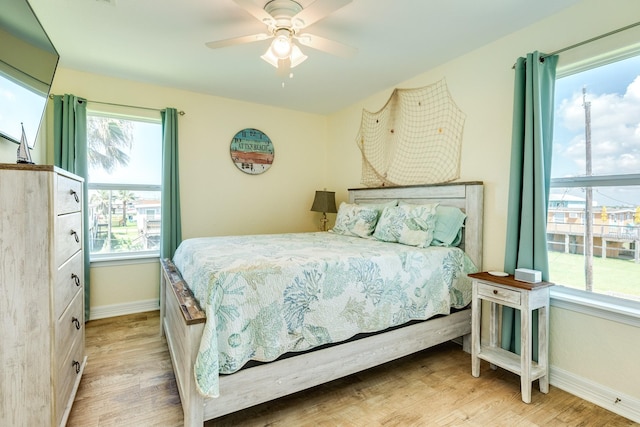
{"x": 325, "y": 202}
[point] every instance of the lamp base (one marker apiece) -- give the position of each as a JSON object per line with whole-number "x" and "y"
{"x": 323, "y": 222}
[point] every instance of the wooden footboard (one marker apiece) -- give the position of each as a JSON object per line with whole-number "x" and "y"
{"x": 182, "y": 322}
{"x": 266, "y": 382}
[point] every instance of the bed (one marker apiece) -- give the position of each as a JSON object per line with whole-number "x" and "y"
{"x": 267, "y": 372}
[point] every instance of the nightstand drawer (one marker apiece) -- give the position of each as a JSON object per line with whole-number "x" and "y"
{"x": 498, "y": 294}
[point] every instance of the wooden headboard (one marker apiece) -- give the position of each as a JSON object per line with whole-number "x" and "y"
{"x": 468, "y": 196}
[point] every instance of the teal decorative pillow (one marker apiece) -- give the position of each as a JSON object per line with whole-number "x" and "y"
{"x": 355, "y": 220}
{"x": 448, "y": 229}
{"x": 407, "y": 224}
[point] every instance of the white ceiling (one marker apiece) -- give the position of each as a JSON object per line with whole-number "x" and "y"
{"x": 163, "y": 42}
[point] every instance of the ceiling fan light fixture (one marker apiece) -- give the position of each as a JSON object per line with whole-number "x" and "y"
{"x": 270, "y": 58}
{"x": 278, "y": 52}
{"x": 281, "y": 47}
{"x": 297, "y": 57}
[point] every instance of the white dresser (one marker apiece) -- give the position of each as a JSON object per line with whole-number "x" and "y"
{"x": 42, "y": 354}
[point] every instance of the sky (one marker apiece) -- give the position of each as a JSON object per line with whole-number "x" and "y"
{"x": 145, "y": 164}
{"x": 614, "y": 93}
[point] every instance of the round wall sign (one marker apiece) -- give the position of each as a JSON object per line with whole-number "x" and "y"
{"x": 252, "y": 151}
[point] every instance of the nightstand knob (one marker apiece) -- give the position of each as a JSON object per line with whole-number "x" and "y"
{"x": 495, "y": 292}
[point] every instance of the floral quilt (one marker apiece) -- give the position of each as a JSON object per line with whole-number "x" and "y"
{"x": 266, "y": 295}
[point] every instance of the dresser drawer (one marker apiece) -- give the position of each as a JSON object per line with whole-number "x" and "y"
{"x": 69, "y": 370}
{"x": 68, "y": 236}
{"x": 68, "y": 197}
{"x": 70, "y": 326}
{"x": 498, "y": 294}
{"x": 68, "y": 282}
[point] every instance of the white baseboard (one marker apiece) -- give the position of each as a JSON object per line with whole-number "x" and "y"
{"x": 114, "y": 310}
{"x": 618, "y": 403}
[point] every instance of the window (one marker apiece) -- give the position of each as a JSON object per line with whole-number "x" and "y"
{"x": 125, "y": 168}
{"x": 596, "y": 178}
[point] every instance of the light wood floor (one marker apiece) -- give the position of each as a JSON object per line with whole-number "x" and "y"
{"x": 129, "y": 381}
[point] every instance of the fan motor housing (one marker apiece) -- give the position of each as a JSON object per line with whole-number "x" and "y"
{"x": 282, "y": 11}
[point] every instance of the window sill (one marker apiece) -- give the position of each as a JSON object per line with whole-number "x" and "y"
{"x": 597, "y": 305}
{"x": 124, "y": 259}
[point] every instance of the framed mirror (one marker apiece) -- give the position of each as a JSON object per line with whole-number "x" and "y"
{"x": 28, "y": 62}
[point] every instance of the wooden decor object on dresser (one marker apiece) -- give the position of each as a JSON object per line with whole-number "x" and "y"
{"x": 42, "y": 353}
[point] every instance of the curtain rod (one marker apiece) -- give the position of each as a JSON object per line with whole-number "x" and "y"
{"x": 592, "y": 39}
{"x": 182, "y": 113}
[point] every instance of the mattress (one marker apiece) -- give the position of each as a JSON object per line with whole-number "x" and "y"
{"x": 267, "y": 295}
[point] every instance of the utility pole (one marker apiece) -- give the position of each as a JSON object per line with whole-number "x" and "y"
{"x": 588, "y": 216}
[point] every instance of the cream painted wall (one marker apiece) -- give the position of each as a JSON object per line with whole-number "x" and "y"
{"x": 111, "y": 284}
{"x": 603, "y": 351}
{"x": 481, "y": 83}
{"x": 217, "y": 198}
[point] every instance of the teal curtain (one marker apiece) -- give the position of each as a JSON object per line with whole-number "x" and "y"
{"x": 171, "y": 229}
{"x": 531, "y": 148}
{"x": 70, "y": 154}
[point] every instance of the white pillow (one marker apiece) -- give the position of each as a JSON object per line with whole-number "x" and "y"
{"x": 407, "y": 224}
{"x": 355, "y": 220}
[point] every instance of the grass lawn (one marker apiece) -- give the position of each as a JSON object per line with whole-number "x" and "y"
{"x": 610, "y": 276}
{"x": 122, "y": 238}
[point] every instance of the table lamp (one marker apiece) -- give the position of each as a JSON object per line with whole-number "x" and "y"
{"x": 325, "y": 202}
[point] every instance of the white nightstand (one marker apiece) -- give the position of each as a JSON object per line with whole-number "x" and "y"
{"x": 525, "y": 297}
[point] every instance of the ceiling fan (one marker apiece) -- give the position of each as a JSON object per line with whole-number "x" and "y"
{"x": 284, "y": 20}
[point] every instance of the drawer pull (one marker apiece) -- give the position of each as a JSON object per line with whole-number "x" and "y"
{"x": 75, "y": 279}
{"x": 76, "y": 322}
{"x": 76, "y": 364}
{"x": 495, "y": 292}
{"x": 75, "y": 195}
{"x": 75, "y": 235}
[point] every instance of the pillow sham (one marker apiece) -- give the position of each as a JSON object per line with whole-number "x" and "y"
{"x": 411, "y": 225}
{"x": 380, "y": 206}
{"x": 355, "y": 220}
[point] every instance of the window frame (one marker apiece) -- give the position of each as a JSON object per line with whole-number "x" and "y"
{"x": 607, "y": 307}
{"x": 120, "y": 258}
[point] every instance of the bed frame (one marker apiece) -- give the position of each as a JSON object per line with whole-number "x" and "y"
{"x": 182, "y": 322}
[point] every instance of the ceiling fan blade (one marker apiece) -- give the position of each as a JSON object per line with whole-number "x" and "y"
{"x": 316, "y": 11}
{"x": 237, "y": 40}
{"x": 257, "y": 11}
{"x": 326, "y": 45}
